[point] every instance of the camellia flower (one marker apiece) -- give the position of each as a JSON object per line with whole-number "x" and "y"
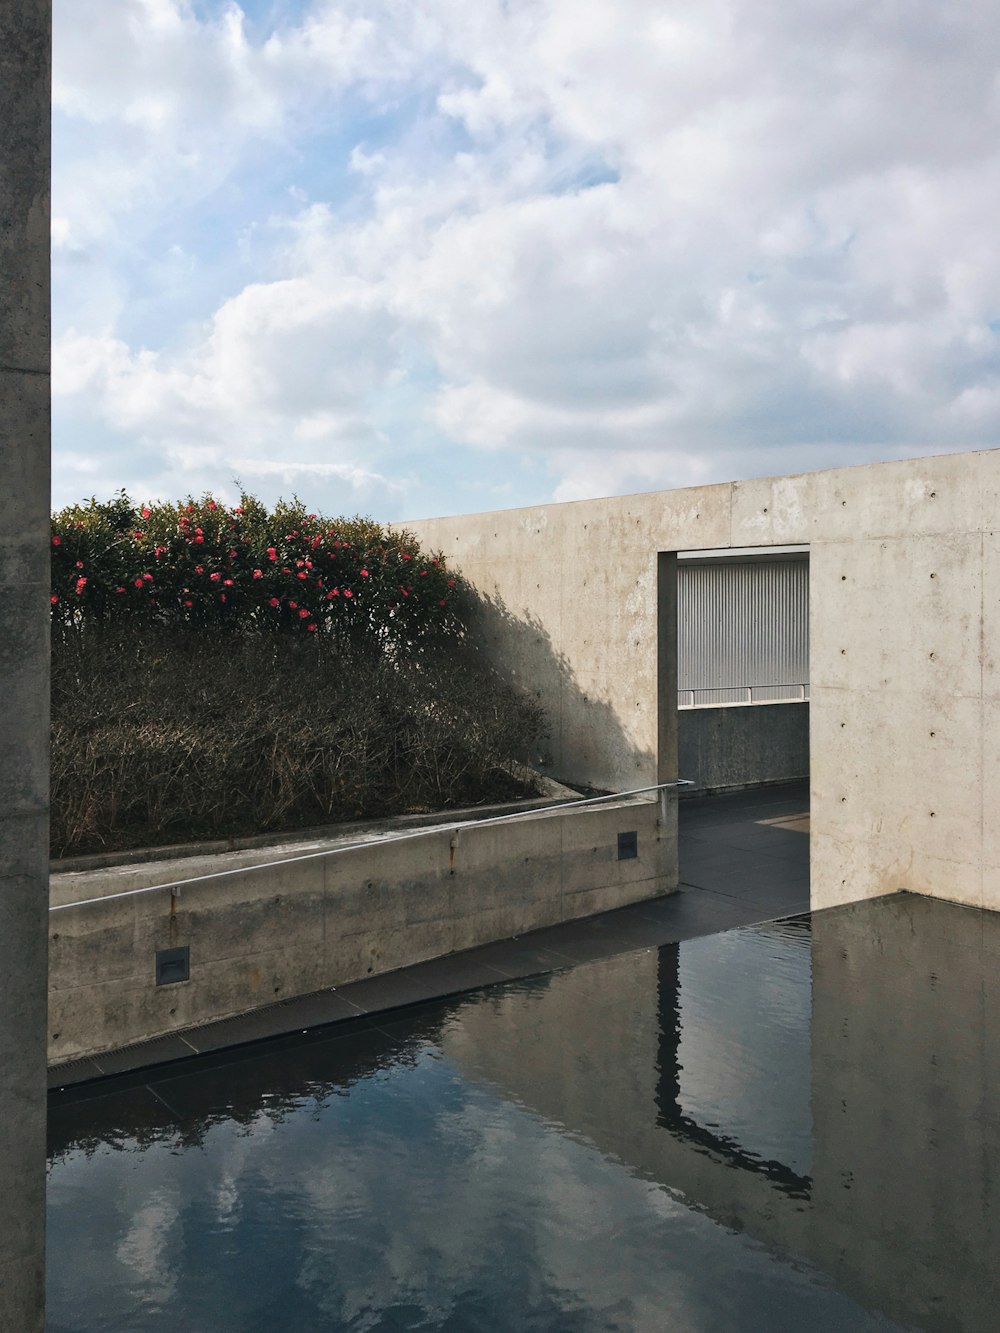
{"x": 364, "y": 573}
{"x": 310, "y": 628}
{"x": 53, "y": 599}
{"x": 302, "y": 574}
{"x": 119, "y": 590}
{"x": 198, "y": 541}
{"x": 188, "y": 603}
{"x": 274, "y": 602}
{"x": 199, "y": 569}
{"x": 137, "y": 583}
{"x": 57, "y": 541}
{"x": 441, "y": 602}
{"x": 146, "y": 511}
{"x": 348, "y": 593}
{"x": 294, "y": 606}
{"x": 451, "y": 583}
{"x": 258, "y": 573}
{"x": 215, "y": 577}
{"x": 79, "y": 564}
{"x": 227, "y": 583}
{"x": 212, "y": 504}
{"x": 222, "y": 597}
{"x": 272, "y": 554}
{"x": 303, "y": 614}
{"x": 407, "y": 556}
{"x": 147, "y": 578}
{"x": 80, "y": 585}
{"x": 334, "y": 592}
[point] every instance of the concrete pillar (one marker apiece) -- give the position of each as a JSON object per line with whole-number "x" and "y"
{"x": 25, "y": 64}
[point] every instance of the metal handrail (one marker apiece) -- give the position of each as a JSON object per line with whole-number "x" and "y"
{"x": 176, "y": 885}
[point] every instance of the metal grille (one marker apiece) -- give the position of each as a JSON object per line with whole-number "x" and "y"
{"x": 742, "y": 632}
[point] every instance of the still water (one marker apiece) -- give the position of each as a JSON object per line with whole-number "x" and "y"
{"x": 784, "y": 1127}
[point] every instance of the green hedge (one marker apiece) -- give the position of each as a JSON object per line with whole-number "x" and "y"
{"x": 177, "y": 715}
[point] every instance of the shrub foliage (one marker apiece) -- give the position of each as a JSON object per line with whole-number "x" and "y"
{"x": 225, "y": 671}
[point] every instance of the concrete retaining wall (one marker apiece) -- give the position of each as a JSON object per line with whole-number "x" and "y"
{"x": 741, "y": 745}
{"x": 264, "y": 934}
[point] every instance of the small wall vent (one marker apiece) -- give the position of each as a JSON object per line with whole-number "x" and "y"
{"x": 628, "y": 846}
{"x": 173, "y": 965}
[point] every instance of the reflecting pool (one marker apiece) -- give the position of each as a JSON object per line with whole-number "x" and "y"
{"x": 783, "y": 1127}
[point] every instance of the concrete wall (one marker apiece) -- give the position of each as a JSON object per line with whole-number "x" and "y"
{"x": 263, "y": 935}
{"x": 904, "y": 649}
{"x": 24, "y": 558}
{"x": 739, "y": 745}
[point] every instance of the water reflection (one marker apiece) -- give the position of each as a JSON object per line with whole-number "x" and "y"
{"x": 646, "y": 1142}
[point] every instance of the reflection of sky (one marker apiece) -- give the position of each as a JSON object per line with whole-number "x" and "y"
{"x": 744, "y": 1051}
{"x": 411, "y": 1198}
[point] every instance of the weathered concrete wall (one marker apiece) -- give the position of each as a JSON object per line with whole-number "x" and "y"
{"x": 737, "y": 745}
{"x": 24, "y": 558}
{"x": 904, "y": 647}
{"x": 266, "y": 934}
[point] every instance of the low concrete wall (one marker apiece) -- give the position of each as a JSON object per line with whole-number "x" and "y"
{"x": 270, "y": 932}
{"x": 742, "y": 745}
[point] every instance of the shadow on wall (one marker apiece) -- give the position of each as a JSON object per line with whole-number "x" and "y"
{"x": 587, "y": 745}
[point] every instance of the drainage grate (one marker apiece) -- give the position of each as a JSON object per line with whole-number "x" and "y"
{"x": 173, "y": 965}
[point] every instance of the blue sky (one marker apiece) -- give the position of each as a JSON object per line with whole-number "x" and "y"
{"x": 430, "y": 257}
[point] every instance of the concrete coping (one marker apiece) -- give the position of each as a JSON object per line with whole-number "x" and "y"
{"x": 82, "y": 888}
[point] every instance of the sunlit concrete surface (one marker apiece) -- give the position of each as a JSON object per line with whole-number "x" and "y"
{"x": 904, "y": 573}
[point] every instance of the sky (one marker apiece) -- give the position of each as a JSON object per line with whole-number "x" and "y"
{"x": 420, "y": 257}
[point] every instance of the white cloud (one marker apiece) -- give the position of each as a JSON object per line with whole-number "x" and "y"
{"x": 711, "y": 241}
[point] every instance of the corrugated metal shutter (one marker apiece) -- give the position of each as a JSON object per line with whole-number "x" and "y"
{"x": 742, "y": 631}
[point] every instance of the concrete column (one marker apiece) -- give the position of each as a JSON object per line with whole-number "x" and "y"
{"x": 25, "y": 64}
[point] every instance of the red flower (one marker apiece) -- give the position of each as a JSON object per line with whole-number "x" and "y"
{"x": 302, "y": 574}
{"x": 215, "y": 577}
{"x": 146, "y": 511}
{"x": 212, "y": 504}
{"x": 53, "y": 599}
{"x": 294, "y": 606}
{"x": 406, "y": 556}
{"x": 199, "y": 569}
{"x": 222, "y": 597}
{"x": 197, "y": 540}
{"x": 137, "y": 583}
{"x": 274, "y": 602}
{"x": 364, "y": 573}
{"x": 348, "y": 593}
{"x": 272, "y": 554}
{"x": 232, "y": 553}
{"x": 119, "y": 590}
{"x": 147, "y": 578}
{"x": 334, "y": 592}
{"x": 57, "y": 541}
{"x": 137, "y": 536}
{"x": 79, "y": 564}
{"x": 227, "y": 583}
{"x": 451, "y": 583}
{"x": 423, "y": 573}
{"x": 159, "y": 550}
{"x": 80, "y": 585}
{"x": 310, "y": 628}
{"x": 299, "y": 564}
{"x": 258, "y": 573}
{"x": 237, "y": 510}
{"x": 188, "y": 603}
{"x": 303, "y": 614}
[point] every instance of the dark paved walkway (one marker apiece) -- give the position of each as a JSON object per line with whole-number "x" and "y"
{"x": 743, "y": 858}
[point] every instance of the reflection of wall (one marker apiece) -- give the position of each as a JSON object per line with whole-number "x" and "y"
{"x": 906, "y": 1090}
{"x": 743, "y": 745}
{"x": 24, "y": 559}
{"x": 902, "y": 1205}
{"x": 904, "y": 649}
